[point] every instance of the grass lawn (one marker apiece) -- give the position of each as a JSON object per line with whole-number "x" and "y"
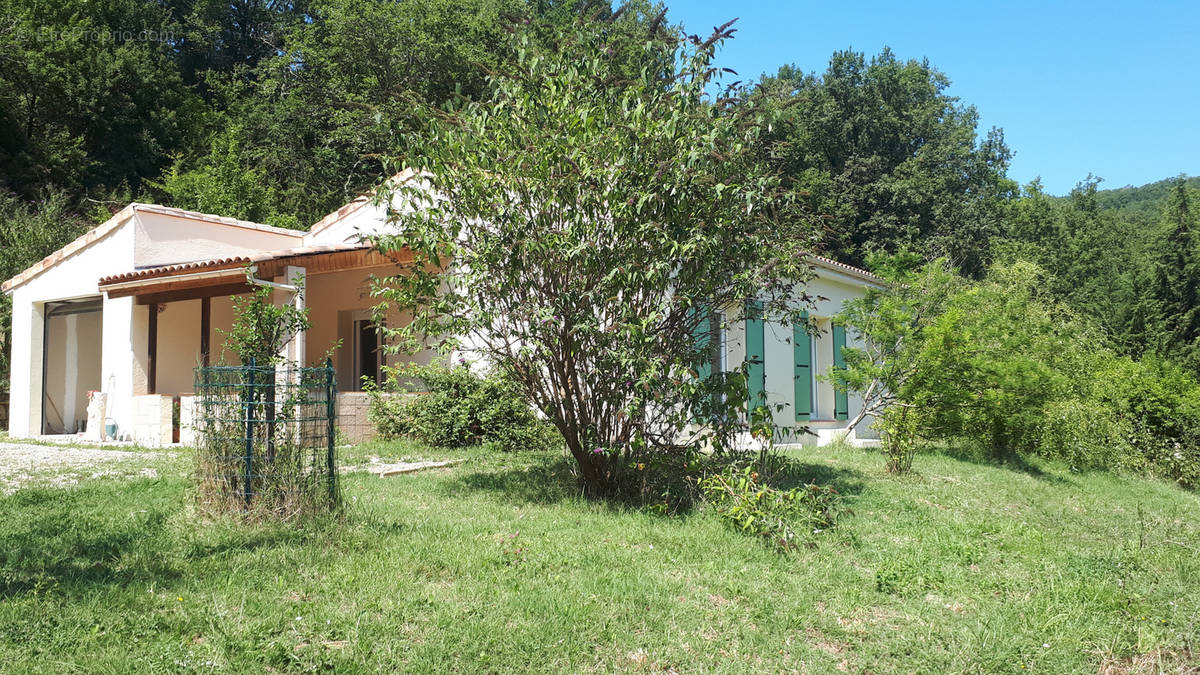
{"x": 494, "y": 565}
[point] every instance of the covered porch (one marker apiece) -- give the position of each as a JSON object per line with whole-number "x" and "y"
{"x": 187, "y": 310}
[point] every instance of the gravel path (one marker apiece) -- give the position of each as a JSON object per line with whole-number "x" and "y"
{"x": 23, "y": 464}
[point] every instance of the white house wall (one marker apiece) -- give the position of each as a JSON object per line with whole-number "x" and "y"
{"x": 144, "y": 239}
{"x": 365, "y": 221}
{"x": 831, "y": 290}
{"x": 178, "y": 347}
{"x": 162, "y": 239}
{"x": 75, "y": 277}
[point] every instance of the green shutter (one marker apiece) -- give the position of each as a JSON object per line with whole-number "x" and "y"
{"x": 841, "y": 400}
{"x": 702, "y": 334}
{"x": 756, "y": 354}
{"x": 802, "y": 349}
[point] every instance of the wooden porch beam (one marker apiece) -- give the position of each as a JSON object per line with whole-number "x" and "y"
{"x": 205, "y": 328}
{"x": 152, "y": 348}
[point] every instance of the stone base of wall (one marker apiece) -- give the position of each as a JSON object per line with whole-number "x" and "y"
{"x": 353, "y": 425}
{"x": 150, "y": 422}
{"x": 187, "y": 420}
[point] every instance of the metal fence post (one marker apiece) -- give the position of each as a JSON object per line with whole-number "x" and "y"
{"x": 249, "y": 431}
{"x": 330, "y": 394}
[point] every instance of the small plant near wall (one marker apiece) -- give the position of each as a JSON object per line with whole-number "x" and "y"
{"x": 265, "y": 432}
{"x": 785, "y": 518}
{"x": 456, "y": 407}
{"x": 898, "y": 433}
{"x": 261, "y": 328}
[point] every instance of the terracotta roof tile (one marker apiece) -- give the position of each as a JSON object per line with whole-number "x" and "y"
{"x": 227, "y": 263}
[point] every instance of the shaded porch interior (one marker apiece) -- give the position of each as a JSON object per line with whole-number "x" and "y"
{"x": 189, "y": 315}
{"x": 72, "y": 336}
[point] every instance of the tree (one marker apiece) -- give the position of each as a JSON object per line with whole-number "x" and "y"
{"x": 984, "y": 362}
{"x": 1177, "y": 280}
{"x": 576, "y": 229}
{"x": 29, "y": 232}
{"x": 90, "y": 97}
{"x": 224, "y": 183}
{"x": 889, "y": 159}
{"x": 893, "y": 319}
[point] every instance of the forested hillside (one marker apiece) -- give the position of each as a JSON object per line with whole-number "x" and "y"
{"x": 280, "y": 111}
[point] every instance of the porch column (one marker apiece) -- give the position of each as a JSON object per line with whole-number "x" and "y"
{"x": 124, "y": 358}
{"x": 294, "y": 351}
{"x": 25, "y": 376}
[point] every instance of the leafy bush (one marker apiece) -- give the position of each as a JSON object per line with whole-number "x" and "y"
{"x": 1084, "y": 433}
{"x": 1008, "y": 370}
{"x": 456, "y": 407}
{"x": 783, "y": 517}
{"x": 899, "y": 438}
{"x": 1159, "y": 404}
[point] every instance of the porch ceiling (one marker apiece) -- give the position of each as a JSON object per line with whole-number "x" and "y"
{"x": 227, "y": 276}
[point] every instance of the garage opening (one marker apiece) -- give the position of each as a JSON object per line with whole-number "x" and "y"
{"x": 70, "y": 363}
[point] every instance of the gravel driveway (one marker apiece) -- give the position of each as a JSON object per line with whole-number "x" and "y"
{"x": 28, "y": 464}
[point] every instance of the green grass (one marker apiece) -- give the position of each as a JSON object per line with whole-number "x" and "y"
{"x": 496, "y": 565}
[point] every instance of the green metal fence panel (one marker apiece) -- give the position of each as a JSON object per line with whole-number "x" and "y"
{"x": 265, "y": 437}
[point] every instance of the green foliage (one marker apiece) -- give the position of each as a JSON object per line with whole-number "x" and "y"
{"x": 456, "y": 407}
{"x": 262, "y": 328}
{"x": 101, "y": 98}
{"x": 224, "y": 183}
{"x": 1175, "y": 314}
{"x": 90, "y": 97}
{"x": 1143, "y": 204}
{"x": 29, "y": 232}
{"x": 785, "y": 518}
{"x": 1001, "y": 365}
{"x": 1095, "y": 262}
{"x": 898, "y": 427}
{"x": 889, "y": 159}
{"x": 590, "y": 219}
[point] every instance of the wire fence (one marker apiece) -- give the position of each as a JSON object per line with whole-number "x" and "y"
{"x": 265, "y": 439}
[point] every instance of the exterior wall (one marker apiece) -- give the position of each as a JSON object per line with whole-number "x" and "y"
{"x": 221, "y": 320}
{"x": 365, "y": 220}
{"x": 150, "y": 420}
{"x": 187, "y": 420}
{"x": 353, "y": 425}
{"x": 831, "y": 290}
{"x": 146, "y": 239}
{"x": 74, "y": 277}
{"x": 161, "y": 239}
{"x": 178, "y": 346}
{"x": 335, "y": 300}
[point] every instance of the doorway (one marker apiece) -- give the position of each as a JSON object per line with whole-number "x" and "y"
{"x": 71, "y": 353}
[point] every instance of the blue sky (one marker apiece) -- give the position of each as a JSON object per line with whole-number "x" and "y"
{"x": 1101, "y": 87}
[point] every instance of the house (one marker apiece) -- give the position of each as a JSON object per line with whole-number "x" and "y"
{"x": 132, "y": 307}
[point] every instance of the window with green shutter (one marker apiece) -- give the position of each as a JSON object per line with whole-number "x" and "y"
{"x": 703, "y": 336}
{"x": 708, "y": 338}
{"x": 802, "y": 350}
{"x": 756, "y": 354}
{"x": 841, "y": 400}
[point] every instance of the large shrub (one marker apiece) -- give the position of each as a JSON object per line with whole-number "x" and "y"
{"x": 1000, "y": 365}
{"x": 577, "y": 228}
{"x": 452, "y": 406}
